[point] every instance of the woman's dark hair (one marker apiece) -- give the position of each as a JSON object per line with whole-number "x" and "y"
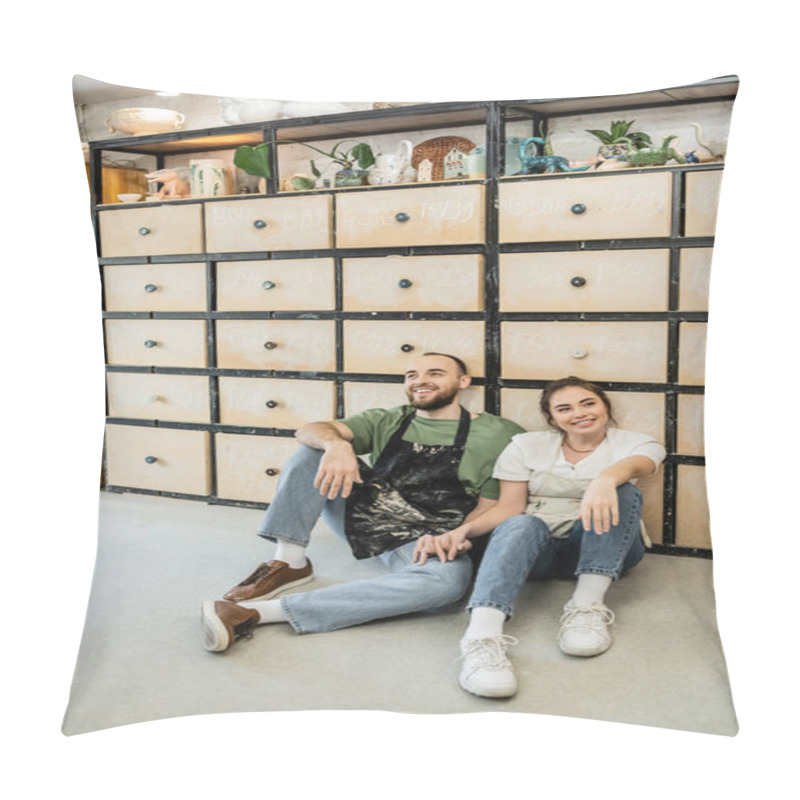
{"x": 563, "y": 383}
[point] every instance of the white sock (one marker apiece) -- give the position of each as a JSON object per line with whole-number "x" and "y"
{"x": 485, "y": 622}
{"x": 590, "y": 589}
{"x": 292, "y": 554}
{"x": 268, "y": 610}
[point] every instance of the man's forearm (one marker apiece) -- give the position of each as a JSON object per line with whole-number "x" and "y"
{"x": 322, "y": 436}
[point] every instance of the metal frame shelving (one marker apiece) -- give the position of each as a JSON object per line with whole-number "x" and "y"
{"x": 493, "y": 116}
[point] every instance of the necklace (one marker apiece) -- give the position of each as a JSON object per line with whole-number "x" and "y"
{"x": 590, "y": 450}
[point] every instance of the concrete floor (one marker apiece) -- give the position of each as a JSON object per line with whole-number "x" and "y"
{"x": 141, "y": 656}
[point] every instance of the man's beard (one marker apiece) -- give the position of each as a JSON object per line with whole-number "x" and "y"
{"x": 432, "y": 401}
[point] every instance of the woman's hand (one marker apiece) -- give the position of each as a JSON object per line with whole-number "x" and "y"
{"x": 600, "y": 507}
{"x": 338, "y": 471}
{"x": 446, "y": 546}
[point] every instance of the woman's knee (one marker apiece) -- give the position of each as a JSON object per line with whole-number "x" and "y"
{"x": 628, "y": 494}
{"x": 522, "y": 528}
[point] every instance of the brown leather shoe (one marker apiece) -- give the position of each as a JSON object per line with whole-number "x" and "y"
{"x": 268, "y": 580}
{"x": 223, "y": 623}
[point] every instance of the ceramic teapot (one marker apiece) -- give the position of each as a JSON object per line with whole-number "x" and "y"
{"x": 393, "y": 167}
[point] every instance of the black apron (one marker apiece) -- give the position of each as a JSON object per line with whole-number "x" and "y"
{"x": 411, "y": 490}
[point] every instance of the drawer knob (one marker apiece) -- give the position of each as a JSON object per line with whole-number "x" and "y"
{"x": 270, "y": 345}
{"x": 144, "y": 231}
{"x": 407, "y": 348}
{"x": 405, "y": 283}
{"x": 270, "y": 404}
{"x": 269, "y": 285}
{"x": 150, "y": 459}
{"x": 402, "y": 217}
{"x": 578, "y": 208}
{"x": 579, "y": 352}
{"x": 259, "y": 223}
{"x": 578, "y": 281}
{"x": 272, "y": 472}
{"x": 154, "y": 398}
{"x": 151, "y": 287}
{"x": 150, "y": 343}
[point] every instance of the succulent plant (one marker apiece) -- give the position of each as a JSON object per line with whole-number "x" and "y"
{"x": 620, "y": 131}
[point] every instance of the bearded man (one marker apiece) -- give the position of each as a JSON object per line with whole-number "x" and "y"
{"x": 431, "y": 469}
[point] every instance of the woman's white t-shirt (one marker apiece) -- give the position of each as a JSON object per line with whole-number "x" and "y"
{"x": 555, "y": 487}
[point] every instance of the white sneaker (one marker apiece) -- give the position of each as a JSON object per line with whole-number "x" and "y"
{"x": 486, "y": 671}
{"x": 584, "y": 629}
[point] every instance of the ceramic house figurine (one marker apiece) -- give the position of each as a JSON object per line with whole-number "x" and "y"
{"x": 454, "y": 164}
{"x": 424, "y": 171}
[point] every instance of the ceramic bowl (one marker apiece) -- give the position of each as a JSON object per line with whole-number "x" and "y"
{"x": 145, "y": 121}
{"x": 128, "y": 198}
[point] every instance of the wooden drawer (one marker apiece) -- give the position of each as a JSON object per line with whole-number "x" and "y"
{"x": 173, "y": 398}
{"x": 634, "y": 411}
{"x": 360, "y": 396}
{"x": 695, "y": 264}
{"x": 415, "y": 283}
{"x": 691, "y": 425}
{"x": 614, "y": 207}
{"x": 295, "y": 345}
{"x": 297, "y": 284}
{"x": 408, "y": 217}
{"x": 248, "y": 467}
{"x": 692, "y": 528}
{"x": 152, "y": 230}
{"x": 388, "y": 346}
{"x": 272, "y": 223}
{"x": 692, "y": 359}
{"x": 606, "y": 280}
{"x": 155, "y": 287}
{"x": 599, "y": 351}
{"x": 156, "y": 342}
{"x": 702, "y": 202}
{"x": 159, "y": 459}
{"x": 273, "y": 403}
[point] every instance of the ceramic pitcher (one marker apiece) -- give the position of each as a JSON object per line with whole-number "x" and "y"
{"x": 393, "y": 167}
{"x": 207, "y": 177}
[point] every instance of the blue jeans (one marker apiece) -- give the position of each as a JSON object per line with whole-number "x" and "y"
{"x": 406, "y": 588}
{"x": 521, "y": 549}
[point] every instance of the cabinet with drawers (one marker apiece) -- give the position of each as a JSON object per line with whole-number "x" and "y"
{"x": 230, "y": 322}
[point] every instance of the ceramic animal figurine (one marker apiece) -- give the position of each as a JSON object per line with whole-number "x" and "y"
{"x": 173, "y": 188}
{"x": 536, "y": 164}
{"x": 716, "y": 148}
{"x": 655, "y": 156}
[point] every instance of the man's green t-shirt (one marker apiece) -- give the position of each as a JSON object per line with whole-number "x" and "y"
{"x": 488, "y": 437}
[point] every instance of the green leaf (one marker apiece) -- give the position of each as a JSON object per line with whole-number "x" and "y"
{"x": 603, "y": 136}
{"x": 314, "y": 171}
{"x": 253, "y": 160}
{"x": 363, "y": 154}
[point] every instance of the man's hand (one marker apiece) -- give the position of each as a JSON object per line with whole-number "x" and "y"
{"x": 600, "y": 506}
{"x": 338, "y": 471}
{"x": 446, "y": 546}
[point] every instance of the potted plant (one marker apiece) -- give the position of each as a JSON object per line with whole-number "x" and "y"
{"x": 354, "y": 162}
{"x": 620, "y": 140}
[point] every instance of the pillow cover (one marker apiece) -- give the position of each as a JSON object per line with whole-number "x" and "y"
{"x": 576, "y": 237}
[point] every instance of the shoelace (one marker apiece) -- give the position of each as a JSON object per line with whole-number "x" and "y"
{"x": 597, "y": 617}
{"x": 490, "y": 652}
{"x": 260, "y": 571}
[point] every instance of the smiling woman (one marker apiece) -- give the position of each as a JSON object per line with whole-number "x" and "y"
{"x": 567, "y": 507}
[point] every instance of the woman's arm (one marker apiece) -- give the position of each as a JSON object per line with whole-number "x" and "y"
{"x": 599, "y": 505}
{"x": 513, "y": 500}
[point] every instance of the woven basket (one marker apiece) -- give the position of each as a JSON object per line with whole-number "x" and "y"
{"x": 436, "y": 150}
